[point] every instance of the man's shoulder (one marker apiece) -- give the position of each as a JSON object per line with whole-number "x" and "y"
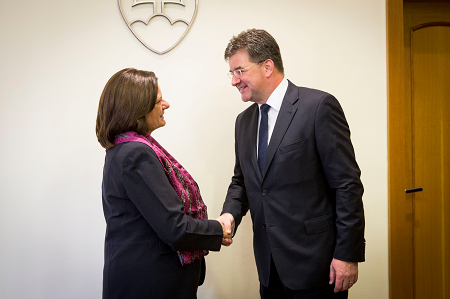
{"x": 308, "y": 97}
{"x": 306, "y": 91}
{"x": 248, "y": 111}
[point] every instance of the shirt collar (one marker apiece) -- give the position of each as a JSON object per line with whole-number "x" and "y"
{"x": 276, "y": 98}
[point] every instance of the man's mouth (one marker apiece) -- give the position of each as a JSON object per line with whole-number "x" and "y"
{"x": 241, "y": 88}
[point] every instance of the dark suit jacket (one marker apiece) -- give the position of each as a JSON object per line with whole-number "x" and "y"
{"x": 145, "y": 227}
{"x": 307, "y": 206}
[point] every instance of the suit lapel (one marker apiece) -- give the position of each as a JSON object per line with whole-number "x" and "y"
{"x": 254, "y": 138}
{"x": 287, "y": 112}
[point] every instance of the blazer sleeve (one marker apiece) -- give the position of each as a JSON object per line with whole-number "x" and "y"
{"x": 343, "y": 174}
{"x": 149, "y": 189}
{"x": 236, "y": 202}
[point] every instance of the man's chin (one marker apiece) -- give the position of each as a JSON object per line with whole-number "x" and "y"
{"x": 245, "y": 98}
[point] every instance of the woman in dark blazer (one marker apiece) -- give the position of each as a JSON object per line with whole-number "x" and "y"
{"x": 157, "y": 230}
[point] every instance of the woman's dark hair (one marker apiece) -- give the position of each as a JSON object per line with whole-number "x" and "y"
{"x": 127, "y": 97}
{"x": 259, "y": 45}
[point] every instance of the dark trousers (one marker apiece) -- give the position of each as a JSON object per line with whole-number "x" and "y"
{"x": 276, "y": 290}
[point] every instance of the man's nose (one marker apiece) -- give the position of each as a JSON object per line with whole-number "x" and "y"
{"x": 235, "y": 80}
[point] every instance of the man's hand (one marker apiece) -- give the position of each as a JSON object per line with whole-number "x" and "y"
{"x": 343, "y": 274}
{"x": 226, "y": 235}
{"x": 227, "y": 221}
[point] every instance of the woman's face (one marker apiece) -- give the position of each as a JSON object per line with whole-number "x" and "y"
{"x": 155, "y": 118}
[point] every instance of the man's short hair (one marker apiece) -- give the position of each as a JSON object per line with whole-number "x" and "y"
{"x": 259, "y": 45}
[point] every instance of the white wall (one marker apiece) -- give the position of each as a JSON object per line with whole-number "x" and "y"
{"x": 56, "y": 57}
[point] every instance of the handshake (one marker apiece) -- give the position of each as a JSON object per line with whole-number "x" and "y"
{"x": 227, "y": 222}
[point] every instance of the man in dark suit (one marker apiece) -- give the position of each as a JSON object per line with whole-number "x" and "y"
{"x": 296, "y": 172}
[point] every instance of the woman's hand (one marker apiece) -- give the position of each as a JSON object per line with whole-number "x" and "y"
{"x": 227, "y": 238}
{"x": 226, "y": 235}
{"x": 227, "y": 221}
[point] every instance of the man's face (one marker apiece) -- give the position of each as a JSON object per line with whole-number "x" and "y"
{"x": 251, "y": 83}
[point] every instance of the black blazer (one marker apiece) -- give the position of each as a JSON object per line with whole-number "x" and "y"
{"x": 145, "y": 227}
{"x": 307, "y": 206}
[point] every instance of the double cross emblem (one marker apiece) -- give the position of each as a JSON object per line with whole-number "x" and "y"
{"x": 157, "y": 27}
{"x": 157, "y": 4}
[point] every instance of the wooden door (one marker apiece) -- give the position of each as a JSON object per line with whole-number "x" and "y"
{"x": 420, "y": 222}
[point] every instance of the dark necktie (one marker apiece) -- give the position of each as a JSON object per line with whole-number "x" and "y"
{"x": 263, "y": 136}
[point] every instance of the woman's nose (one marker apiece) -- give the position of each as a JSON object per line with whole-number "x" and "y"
{"x": 165, "y": 105}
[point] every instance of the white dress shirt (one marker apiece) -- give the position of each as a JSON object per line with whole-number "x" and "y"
{"x": 274, "y": 101}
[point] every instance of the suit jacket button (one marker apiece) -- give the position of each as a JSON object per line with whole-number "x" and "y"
{"x": 264, "y": 192}
{"x": 264, "y": 225}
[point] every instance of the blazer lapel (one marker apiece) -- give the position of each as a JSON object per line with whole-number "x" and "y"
{"x": 253, "y": 134}
{"x": 287, "y": 112}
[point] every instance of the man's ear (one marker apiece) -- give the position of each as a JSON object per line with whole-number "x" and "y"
{"x": 269, "y": 67}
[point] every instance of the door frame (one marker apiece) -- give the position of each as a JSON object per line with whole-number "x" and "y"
{"x": 401, "y": 282}
{"x": 400, "y": 145}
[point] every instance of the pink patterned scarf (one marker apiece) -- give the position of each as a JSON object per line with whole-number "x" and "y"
{"x": 183, "y": 183}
